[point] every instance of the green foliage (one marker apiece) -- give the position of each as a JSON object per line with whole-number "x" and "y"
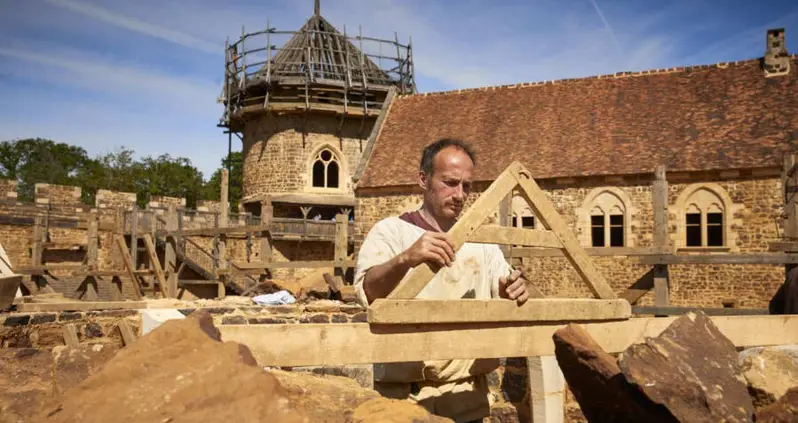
{"x": 213, "y": 188}
{"x": 36, "y": 160}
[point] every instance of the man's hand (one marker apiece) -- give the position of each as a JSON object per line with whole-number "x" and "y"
{"x": 432, "y": 247}
{"x": 513, "y": 287}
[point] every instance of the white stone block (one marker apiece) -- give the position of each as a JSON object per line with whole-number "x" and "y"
{"x": 151, "y": 318}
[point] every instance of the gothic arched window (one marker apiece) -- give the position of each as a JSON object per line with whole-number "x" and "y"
{"x": 326, "y": 169}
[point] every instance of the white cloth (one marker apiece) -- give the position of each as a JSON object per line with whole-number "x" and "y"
{"x": 275, "y": 298}
{"x": 474, "y": 274}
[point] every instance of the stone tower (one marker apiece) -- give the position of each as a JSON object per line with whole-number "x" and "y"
{"x": 305, "y": 111}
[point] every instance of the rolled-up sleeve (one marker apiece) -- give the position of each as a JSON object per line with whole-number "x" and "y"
{"x": 378, "y": 247}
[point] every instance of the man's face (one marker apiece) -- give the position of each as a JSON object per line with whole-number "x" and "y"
{"x": 446, "y": 189}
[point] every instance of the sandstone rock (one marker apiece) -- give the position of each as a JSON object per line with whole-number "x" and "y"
{"x": 785, "y": 410}
{"x": 770, "y": 372}
{"x": 384, "y": 410}
{"x": 597, "y": 382}
{"x": 179, "y": 372}
{"x": 691, "y": 369}
{"x": 29, "y": 377}
{"x": 182, "y": 372}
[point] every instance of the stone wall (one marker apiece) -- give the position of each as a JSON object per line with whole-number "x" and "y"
{"x": 106, "y": 199}
{"x": 278, "y": 152}
{"x": 8, "y": 189}
{"x": 752, "y": 207}
{"x": 166, "y": 202}
{"x": 57, "y": 194}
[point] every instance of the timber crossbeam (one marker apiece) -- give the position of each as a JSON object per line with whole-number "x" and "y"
{"x": 364, "y": 343}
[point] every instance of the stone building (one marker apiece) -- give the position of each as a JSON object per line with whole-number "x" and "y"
{"x": 593, "y": 145}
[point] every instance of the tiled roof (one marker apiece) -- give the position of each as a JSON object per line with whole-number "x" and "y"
{"x": 707, "y": 117}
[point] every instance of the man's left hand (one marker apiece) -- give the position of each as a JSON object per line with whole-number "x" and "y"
{"x": 513, "y": 287}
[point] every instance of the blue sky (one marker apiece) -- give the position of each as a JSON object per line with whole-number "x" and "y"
{"x": 146, "y": 74}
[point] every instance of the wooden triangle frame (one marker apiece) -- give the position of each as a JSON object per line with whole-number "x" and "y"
{"x": 469, "y": 228}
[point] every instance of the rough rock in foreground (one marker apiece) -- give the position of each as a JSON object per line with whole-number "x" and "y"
{"x": 770, "y": 372}
{"x": 785, "y": 410}
{"x": 29, "y": 377}
{"x": 182, "y": 372}
{"x": 598, "y": 384}
{"x": 689, "y": 373}
{"x": 692, "y": 369}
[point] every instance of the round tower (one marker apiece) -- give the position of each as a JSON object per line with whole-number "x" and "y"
{"x": 305, "y": 111}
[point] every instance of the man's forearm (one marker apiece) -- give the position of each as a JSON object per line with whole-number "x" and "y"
{"x": 380, "y": 280}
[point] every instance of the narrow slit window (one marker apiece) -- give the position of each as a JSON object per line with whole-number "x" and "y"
{"x": 693, "y": 229}
{"x": 715, "y": 229}
{"x": 515, "y": 221}
{"x": 616, "y": 230}
{"x": 597, "y": 230}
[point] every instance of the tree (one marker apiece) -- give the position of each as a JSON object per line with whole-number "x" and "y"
{"x": 167, "y": 176}
{"x": 37, "y": 160}
{"x": 213, "y": 188}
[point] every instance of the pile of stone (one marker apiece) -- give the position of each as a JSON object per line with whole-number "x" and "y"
{"x": 183, "y": 372}
{"x": 689, "y": 373}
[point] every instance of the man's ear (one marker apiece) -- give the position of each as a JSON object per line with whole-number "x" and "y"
{"x": 423, "y": 180}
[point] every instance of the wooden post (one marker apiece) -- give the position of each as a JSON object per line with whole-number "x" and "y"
{"x": 267, "y": 212}
{"x": 505, "y": 211}
{"x": 36, "y": 250}
{"x": 546, "y": 390}
{"x": 789, "y": 183}
{"x": 134, "y": 240}
{"x": 341, "y": 246}
{"x": 215, "y": 242}
{"x": 224, "y": 199}
{"x": 92, "y": 253}
{"x": 659, "y": 198}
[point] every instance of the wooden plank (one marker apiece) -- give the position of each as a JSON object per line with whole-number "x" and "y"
{"x": 640, "y": 288}
{"x": 548, "y": 216}
{"x": 8, "y": 289}
{"x": 527, "y": 252}
{"x": 384, "y": 311}
{"x": 659, "y": 198}
{"x": 362, "y": 343}
{"x": 37, "y": 270}
{"x": 128, "y": 337}
{"x": 81, "y": 306}
{"x": 673, "y": 311}
{"x": 341, "y": 246}
{"x": 70, "y": 335}
{"x": 156, "y": 266}
{"x": 468, "y": 223}
{"x": 788, "y": 246}
{"x": 292, "y": 265}
{"x": 120, "y": 242}
{"x": 492, "y": 234}
{"x": 761, "y": 258}
{"x": 230, "y": 230}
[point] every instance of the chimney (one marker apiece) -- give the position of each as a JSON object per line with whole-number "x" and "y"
{"x": 777, "y": 60}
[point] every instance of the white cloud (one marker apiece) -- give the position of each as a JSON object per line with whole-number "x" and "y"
{"x": 127, "y": 81}
{"x": 137, "y": 25}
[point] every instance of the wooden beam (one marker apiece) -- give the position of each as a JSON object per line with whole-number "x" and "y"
{"x": 70, "y": 334}
{"x": 492, "y": 234}
{"x": 468, "y": 223}
{"x": 527, "y": 252}
{"x": 789, "y": 180}
{"x": 385, "y": 311}
{"x": 128, "y": 337}
{"x": 673, "y": 311}
{"x": 156, "y": 266}
{"x": 546, "y": 213}
{"x": 38, "y": 270}
{"x": 81, "y": 306}
{"x": 362, "y": 343}
{"x": 292, "y": 265}
{"x": 640, "y": 288}
{"x": 341, "y": 246}
{"x": 120, "y": 242}
{"x": 760, "y": 258}
{"x": 225, "y": 203}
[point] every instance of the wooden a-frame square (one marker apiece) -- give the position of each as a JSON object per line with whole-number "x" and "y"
{"x": 469, "y": 228}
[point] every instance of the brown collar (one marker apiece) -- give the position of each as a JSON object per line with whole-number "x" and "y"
{"x": 415, "y": 218}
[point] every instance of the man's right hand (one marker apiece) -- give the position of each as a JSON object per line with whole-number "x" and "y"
{"x": 432, "y": 247}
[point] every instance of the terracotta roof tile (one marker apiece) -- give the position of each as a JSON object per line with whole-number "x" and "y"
{"x": 693, "y": 118}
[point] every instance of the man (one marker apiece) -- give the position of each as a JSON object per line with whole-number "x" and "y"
{"x": 456, "y": 389}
